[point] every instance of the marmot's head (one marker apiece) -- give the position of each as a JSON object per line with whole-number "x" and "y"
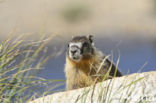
{"x": 80, "y": 47}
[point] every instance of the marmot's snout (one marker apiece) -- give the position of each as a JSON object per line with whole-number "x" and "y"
{"x": 75, "y": 52}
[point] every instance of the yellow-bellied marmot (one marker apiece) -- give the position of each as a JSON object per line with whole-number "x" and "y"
{"x": 85, "y": 64}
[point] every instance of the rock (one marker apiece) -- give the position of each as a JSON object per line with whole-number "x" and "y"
{"x": 134, "y": 88}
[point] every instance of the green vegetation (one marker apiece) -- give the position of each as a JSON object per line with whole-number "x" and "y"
{"x": 19, "y": 67}
{"x": 75, "y": 13}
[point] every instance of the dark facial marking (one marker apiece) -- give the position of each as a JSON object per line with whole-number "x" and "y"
{"x": 85, "y": 44}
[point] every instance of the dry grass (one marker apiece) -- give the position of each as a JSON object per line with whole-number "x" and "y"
{"x": 20, "y": 64}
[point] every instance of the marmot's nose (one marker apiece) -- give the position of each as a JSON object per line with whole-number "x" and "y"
{"x": 73, "y": 51}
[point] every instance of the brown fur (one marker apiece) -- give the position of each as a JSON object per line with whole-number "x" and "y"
{"x": 84, "y": 73}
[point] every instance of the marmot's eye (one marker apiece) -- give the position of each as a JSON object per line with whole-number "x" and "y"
{"x": 85, "y": 44}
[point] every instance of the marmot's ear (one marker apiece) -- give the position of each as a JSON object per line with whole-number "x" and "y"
{"x": 90, "y": 37}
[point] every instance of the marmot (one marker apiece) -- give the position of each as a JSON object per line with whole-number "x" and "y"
{"x": 85, "y": 64}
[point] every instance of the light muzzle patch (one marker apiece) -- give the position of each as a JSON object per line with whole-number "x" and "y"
{"x": 75, "y": 51}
